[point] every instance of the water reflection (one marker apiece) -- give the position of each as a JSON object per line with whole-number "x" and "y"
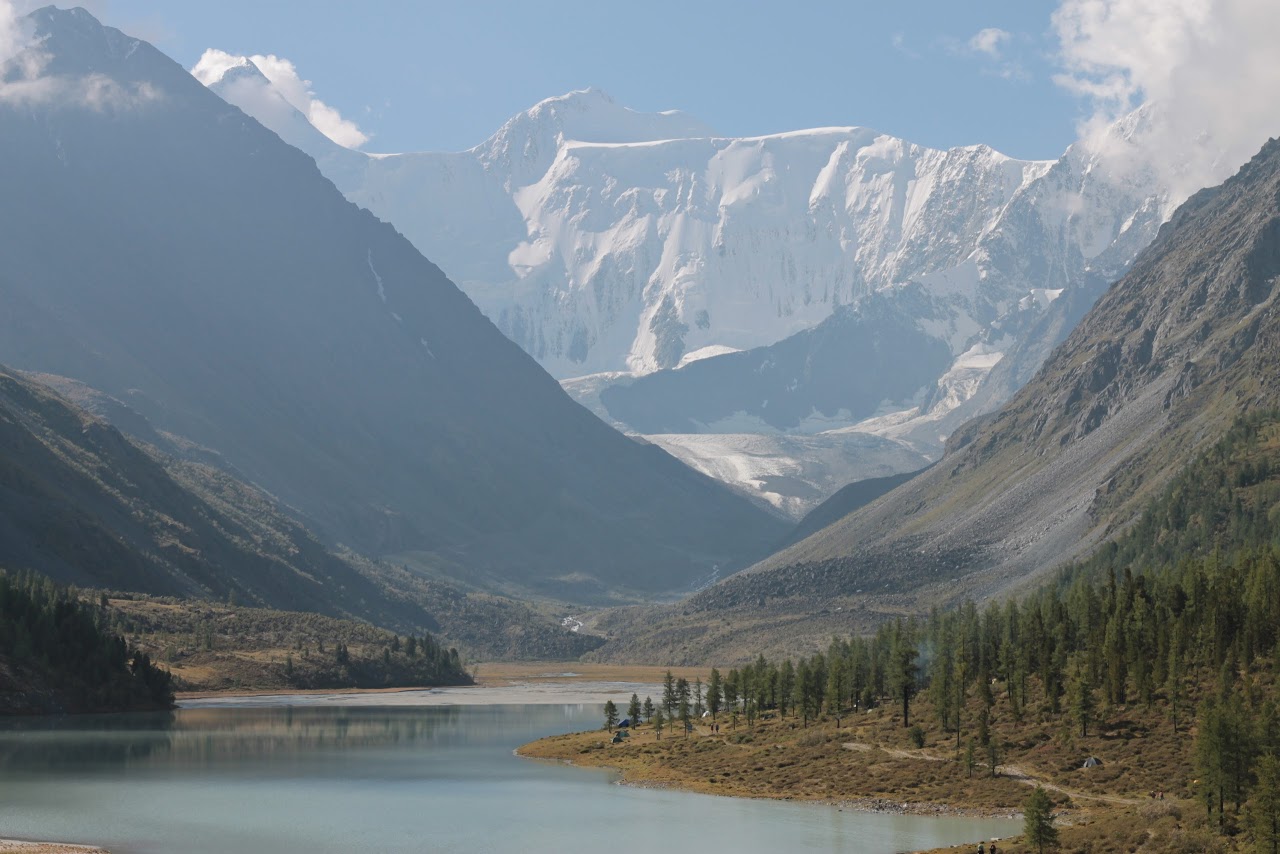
{"x": 82, "y": 743}
{"x": 316, "y": 779}
{"x": 206, "y": 739}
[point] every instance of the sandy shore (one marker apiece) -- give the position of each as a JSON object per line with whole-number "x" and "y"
{"x": 18, "y": 846}
{"x": 497, "y": 683}
{"x": 547, "y": 692}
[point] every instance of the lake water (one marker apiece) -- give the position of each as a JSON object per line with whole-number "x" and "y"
{"x": 386, "y": 779}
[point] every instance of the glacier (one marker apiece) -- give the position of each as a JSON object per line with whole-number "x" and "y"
{"x": 639, "y": 255}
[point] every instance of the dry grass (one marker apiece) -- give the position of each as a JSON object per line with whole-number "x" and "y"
{"x": 212, "y": 647}
{"x": 782, "y": 759}
{"x": 870, "y": 762}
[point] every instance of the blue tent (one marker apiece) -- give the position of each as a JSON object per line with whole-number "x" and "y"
{"x": 625, "y": 722}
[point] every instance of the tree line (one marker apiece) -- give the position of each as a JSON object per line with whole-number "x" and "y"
{"x": 63, "y": 643}
{"x": 1180, "y": 615}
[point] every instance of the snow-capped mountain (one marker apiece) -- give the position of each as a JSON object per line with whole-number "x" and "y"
{"x": 166, "y": 250}
{"x": 645, "y": 249}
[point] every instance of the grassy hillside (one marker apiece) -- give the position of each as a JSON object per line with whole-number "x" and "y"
{"x": 219, "y": 647}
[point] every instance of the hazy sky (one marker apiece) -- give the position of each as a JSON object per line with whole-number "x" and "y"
{"x": 437, "y": 75}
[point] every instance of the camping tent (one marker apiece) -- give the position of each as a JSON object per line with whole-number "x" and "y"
{"x": 1092, "y": 762}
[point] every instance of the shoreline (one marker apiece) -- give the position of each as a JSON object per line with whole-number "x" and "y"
{"x": 28, "y": 846}
{"x": 518, "y": 693}
{"x": 487, "y": 675}
{"x": 880, "y": 806}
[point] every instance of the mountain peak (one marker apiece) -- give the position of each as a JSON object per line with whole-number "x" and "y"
{"x": 78, "y": 24}
{"x": 220, "y": 68}
{"x": 592, "y": 115}
{"x": 527, "y": 143}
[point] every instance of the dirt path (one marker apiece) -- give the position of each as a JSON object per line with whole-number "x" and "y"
{"x": 1013, "y": 772}
{"x": 893, "y": 751}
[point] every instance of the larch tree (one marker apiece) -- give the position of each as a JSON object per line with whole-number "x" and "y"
{"x": 668, "y": 694}
{"x": 610, "y": 715}
{"x": 1264, "y": 806}
{"x": 1037, "y": 826}
{"x": 715, "y": 693}
{"x": 634, "y": 709}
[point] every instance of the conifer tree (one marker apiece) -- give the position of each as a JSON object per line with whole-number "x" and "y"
{"x": 715, "y": 693}
{"x": 633, "y": 710}
{"x": 731, "y": 696}
{"x": 837, "y": 686}
{"x": 1173, "y": 688}
{"x": 668, "y": 694}
{"x": 1082, "y": 703}
{"x": 904, "y": 675}
{"x": 610, "y": 715}
{"x": 786, "y": 686}
{"x": 683, "y": 694}
{"x": 1264, "y": 807}
{"x": 1037, "y": 825}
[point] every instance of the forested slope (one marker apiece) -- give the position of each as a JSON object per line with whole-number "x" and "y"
{"x": 59, "y": 654}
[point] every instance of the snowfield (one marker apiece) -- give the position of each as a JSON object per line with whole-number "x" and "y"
{"x": 613, "y": 244}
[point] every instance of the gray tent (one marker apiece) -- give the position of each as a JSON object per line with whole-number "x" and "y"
{"x": 1092, "y": 762}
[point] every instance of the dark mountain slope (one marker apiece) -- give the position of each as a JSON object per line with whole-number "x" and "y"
{"x": 81, "y": 503}
{"x": 166, "y": 249}
{"x": 1159, "y": 369}
{"x": 85, "y": 505}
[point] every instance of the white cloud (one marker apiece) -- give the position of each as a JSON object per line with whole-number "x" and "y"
{"x": 290, "y": 85}
{"x": 989, "y": 41}
{"x": 15, "y": 33}
{"x": 1207, "y": 68}
{"x": 23, "y": 79}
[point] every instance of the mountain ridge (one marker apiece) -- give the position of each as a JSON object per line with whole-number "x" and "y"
{"x": 176, "y": 254}
{"x": 611, "y": 258}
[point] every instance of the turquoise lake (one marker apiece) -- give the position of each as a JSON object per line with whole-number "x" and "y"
{"x": 387, "y": 779}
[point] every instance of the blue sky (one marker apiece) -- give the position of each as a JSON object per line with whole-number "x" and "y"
{"x": 435, "y": 75}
